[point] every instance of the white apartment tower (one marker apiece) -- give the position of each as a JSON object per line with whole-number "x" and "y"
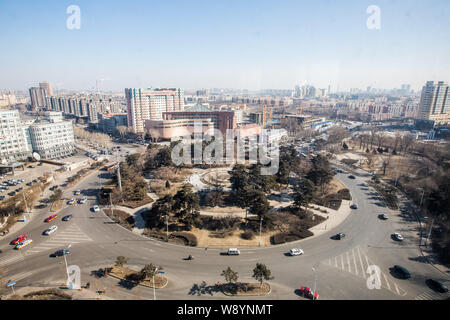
{"x": 149, "y": 104}
{"x": 435, "y": 102}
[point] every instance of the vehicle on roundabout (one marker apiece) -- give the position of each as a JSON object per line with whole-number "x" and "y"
{"x": 96, "y": 208}
{"x": 60, "y": 253}
{"x": 383, "y": 216}
{"x": 354, "y": 206}
{"x": 351, "y": 177}
{"x": 397, "y": 236}
{"x": 50, "y": 230}
{"x": 67, "y": 218}
{"x": 402, "y": 272}
{"x": 233, "y": 252}
{"x": 295, "y": 252}
{"x": 23, "y": 244}
{"x": 340, "y": 236}
{"x": 309, "y": 293}
{"x": 52, "y": 217}
{"x": 19, "y": 239}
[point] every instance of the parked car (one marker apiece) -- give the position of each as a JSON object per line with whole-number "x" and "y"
{"x": 398, "y": 236}
{"x": 2, "y": 198}
{"x": 438, "y": 285}
{"x": 50, "y": 230}
{"x": 77, "y": 192}
{"x": 402, "y": 271}
{"x": 82, "y": 200}
{"x": 233, "y": 252}
{"x": 67, "y": 218}
{"x": 71, "y": 201}
{"x": 296, "y": 252}
{"x": 383, "y": 216}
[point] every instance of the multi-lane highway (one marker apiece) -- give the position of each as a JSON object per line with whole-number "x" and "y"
{"x": 341, "y": 265}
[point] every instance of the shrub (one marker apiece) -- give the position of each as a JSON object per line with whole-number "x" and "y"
{"x": 189, "y": 238}
{"x": 247, "y": 235}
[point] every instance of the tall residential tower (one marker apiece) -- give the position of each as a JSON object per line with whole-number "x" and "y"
{"x": 435, "y": 102}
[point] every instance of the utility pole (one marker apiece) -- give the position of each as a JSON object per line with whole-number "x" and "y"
{"x": 111, "y": 206}
{"x": 421, "y": 199}
{"x": 26, "y": 204}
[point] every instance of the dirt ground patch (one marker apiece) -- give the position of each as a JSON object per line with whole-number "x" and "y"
{"x": 57, "y": 205}
{"x": 218, "y": 209}
{"x": 123, "y": 273}
{"x": 234, "y": 240}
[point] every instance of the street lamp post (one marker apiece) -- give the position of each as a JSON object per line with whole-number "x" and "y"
{"x": 154, "y": 290}
{"x": 260, "y": 228}
{"x": 67, "y": 269}
{"x": 167, "y": 227}
{"x": 315, "y": 281}
{"x": 429, "y": 233}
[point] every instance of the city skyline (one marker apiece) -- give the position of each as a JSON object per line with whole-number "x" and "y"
{"x": 235, "y": 45}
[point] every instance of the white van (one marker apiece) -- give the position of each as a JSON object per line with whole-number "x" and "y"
{"x": 233, "y": 252}
{"x": 50, "y": 230}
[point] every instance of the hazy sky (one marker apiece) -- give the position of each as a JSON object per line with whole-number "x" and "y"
{"x": 223, "y": 43}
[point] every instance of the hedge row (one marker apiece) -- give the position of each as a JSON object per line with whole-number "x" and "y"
{"x": 189, "y": 238}
{"x": 289, "y": 237}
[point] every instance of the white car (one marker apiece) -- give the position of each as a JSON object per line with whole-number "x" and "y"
{"x": 96, "y": 208}
{"x": 82, "y": 200}
{"x": 233, "y": 252}
{"x": 23, "y": 244}
{"x": 71, "y": 201}
{"x": 50, "y": 230}
{"x": 295, "y": 252}
{"x": 398, "y": 236}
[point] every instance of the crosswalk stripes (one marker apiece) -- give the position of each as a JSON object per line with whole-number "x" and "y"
{"x": 431, "y": 295}
{"x": 11, "y": 259}
{"x": 356, "y": 262}
{"x": 71, "y": 235}
{"x": 21, "y": 276}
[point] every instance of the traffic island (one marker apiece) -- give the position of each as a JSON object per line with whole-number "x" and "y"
{"x": 131, "y": 278}
{"x": 245, "y": 289}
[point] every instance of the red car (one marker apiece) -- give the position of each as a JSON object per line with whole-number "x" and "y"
{"x": 19, "y": 239}
{"x": 308, "y": 293}
{"x": 52, "y": 217}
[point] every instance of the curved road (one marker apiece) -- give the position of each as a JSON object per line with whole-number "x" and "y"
{"x": 341, "y": 265}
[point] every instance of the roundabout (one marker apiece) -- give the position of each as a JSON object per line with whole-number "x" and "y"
{"x": 343, "y": 268}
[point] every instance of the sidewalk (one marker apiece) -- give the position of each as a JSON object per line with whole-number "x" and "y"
{"x": 333, "y": 218}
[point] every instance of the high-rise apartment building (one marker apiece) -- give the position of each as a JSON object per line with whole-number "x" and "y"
{"x": 38, "y": 98}
{"x": 435, "y": 102}
{"x": 47, "y": 87}
{"x": 52, "y": 137}
{"x": 14, "y": 139}
{"x": 149, "y": 104}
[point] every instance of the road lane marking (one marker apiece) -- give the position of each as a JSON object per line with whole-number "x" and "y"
{"x": 387, "y": 281}
{"x": 362, "y": 265}
{"x": 396, "y": 288}
{"x": 21, "y": 276}
{"x": 335, "y": 262}
{"x": 9, "y": 260}
{"x": 342, "y": 262}
{"x": 354, "y": 261}
{"x": 348, "y": 261}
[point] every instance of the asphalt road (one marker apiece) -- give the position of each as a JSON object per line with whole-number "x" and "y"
{"x": 341, "y": 265}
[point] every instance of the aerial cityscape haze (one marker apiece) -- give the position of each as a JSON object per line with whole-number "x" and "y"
{"x": 237, "y": 152}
